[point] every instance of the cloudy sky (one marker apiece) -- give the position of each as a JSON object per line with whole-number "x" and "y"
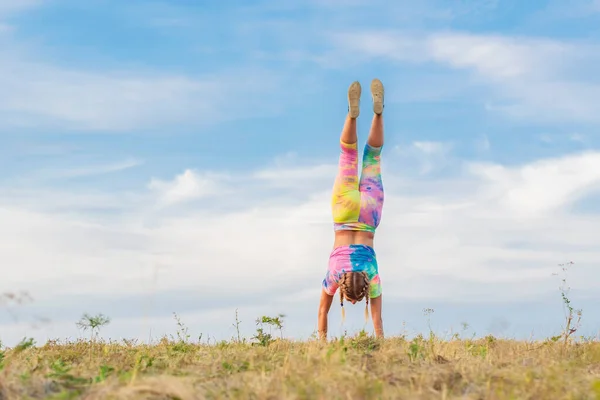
{"x": 178, "y": 156}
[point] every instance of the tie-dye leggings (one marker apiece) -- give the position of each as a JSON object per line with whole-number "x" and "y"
{"x": 357, "y": 204}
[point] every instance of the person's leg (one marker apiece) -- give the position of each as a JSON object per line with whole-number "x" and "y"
{"x": 371, "y": 188}
{"x": 376, "y": 134}
{"x": 371, "y": 184}
{"x": 345, "y": 201}
{"x": 349, "y": 135}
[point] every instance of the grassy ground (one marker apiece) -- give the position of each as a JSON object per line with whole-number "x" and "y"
{"x": 359, "y": 367}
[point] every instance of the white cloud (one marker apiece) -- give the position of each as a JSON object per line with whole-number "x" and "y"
{"x": 8, "y": 7}
{"x": 577, "y": 137}
{"x": 556, "y": 11}
{"x": 544, "y": 186}
{"x": 85, "y": 171}
{"x": 483, "y": 144}
{"x": 494, "y": 234}
{"x": 428, "y": 156}
{"x": 190, "y": 185}
{"x": 294, "y": 176}
{"x": 35, "y": 94}
{"x": 496, "y": 57}
{"x": 432, "y": 147}
{"x": 533, "y": 78}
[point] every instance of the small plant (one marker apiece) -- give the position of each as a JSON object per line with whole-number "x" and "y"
{"x": 60, "y": 372}
{"x": 93, "y": 323}
{"x": 276, "y": 322}
{"x": 415, "y": 348}
{"x": 427, "y": 312}
{"x": 19, "y": 348}
{"x": 103, "y": 373}
{"x": 182, "y": 344}
{"x": 231, "y": 368}
{"x": 130, "y": 342}
{"x": 24, "y": 344}
{"x": 572, "y": 315}
{"x": 364, "y": 342}
{"x": 182, "y": 330}
{"x": 236, "y": 325}
{"x": 465, "y": 326}
{"x": 262, "y": 337}
{"x": 477, "y": 350}
{"x": 490, "y": 340}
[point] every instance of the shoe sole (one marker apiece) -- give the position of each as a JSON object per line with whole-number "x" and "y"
{"x": 377, "y": 92}
{"x": 354, "y": 92}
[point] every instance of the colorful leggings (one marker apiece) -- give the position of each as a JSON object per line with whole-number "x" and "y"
{"x": 357, "y": 205}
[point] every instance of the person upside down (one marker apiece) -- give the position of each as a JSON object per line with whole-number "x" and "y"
{"x": 356, "y": 204}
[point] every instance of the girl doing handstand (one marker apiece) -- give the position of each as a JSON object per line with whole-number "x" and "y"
{"x": 356, "y": 203}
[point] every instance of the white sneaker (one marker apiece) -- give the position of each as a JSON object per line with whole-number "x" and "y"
{"x": 354, "y": 92}
{"x": 377, "y": 94}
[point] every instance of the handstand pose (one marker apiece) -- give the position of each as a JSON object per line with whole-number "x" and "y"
{"x": 356, "y": 207}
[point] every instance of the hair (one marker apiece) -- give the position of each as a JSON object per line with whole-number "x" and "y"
{"x": 354, "y": 286}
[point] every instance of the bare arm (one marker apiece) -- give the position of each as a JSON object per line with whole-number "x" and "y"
{"x": 324, "y": 306}
{"x": 376, "y": 315}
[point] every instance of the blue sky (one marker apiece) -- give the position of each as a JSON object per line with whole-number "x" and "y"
{"x": 177, "y": 156}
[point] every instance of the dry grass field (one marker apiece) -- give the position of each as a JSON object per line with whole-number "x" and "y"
{"x": 265, "y": 367}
